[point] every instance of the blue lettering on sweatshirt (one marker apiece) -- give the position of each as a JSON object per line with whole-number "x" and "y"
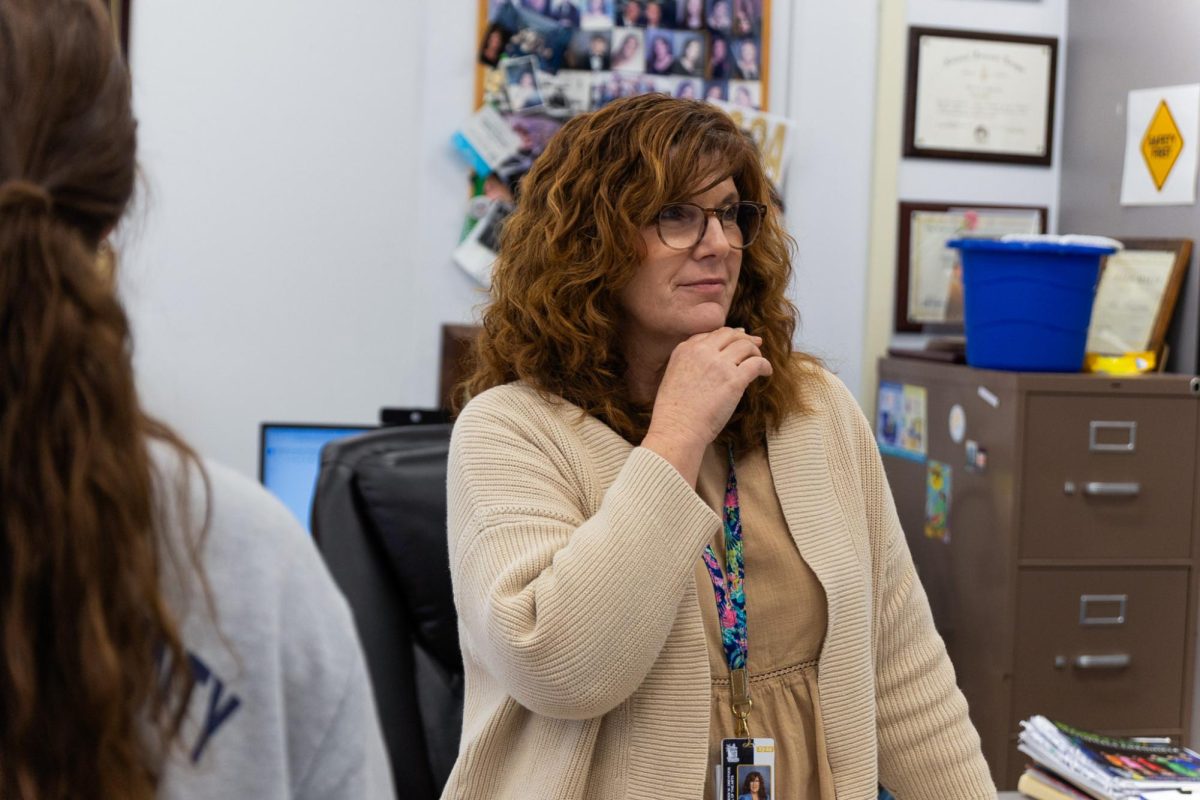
{"x": 219, "y": 707}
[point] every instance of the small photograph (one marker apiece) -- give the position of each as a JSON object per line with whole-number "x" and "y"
{"x": 564, "y": 12}
{"x": 595, "y": 15}
{"x": 535, "y": 35}
{"x": 628, "y": 50}
{"x": 520, "y": 83}
{"x": 691, "y": 15}
{"x": 720, "y": 59}
{"x": 746, "y": 60}
{"x": 689, "y": 58}
{"x": 630, "y": 14}
{"x": 716, "y": 90}
{"x": 746, "y": 94}
{"x": 747, "y": 18}
{"x": 565, "y": 94}
{"x": 660, "y": 52}
{"x": 720, "y": 15}
{"x": 621, "y": 84}
{"x": 659, "y": 14}
{"x": 754, "y": 782}
{"x": 495, "y": 39}
{"x": 688, "y": 88}
{"x": 589, "y": 50}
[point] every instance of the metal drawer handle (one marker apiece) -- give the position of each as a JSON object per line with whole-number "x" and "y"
{"x": 1102, "y": 489}
{"x": 1114, "y": 661}
{"x": 1096, "y": 446}
{"x": 1085, "y": 600}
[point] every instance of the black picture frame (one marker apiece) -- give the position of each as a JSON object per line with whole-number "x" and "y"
{"x": 903, "y": 322}
{"x": 913, "y": 149}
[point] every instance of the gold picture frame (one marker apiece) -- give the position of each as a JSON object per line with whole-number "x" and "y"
{"x": 1136, "y": 296}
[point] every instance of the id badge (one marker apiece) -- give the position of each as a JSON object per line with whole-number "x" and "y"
{"x": 747, "y": 767}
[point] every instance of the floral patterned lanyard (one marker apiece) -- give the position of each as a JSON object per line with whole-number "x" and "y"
{"x": 729, "y": 590}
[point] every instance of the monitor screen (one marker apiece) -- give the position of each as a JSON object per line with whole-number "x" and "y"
{"x": 289, "y": 458}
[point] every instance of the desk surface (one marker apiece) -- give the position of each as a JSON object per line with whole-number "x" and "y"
{"x": 1009, "y": 796}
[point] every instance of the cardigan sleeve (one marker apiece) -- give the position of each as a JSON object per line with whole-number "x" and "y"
{"x": 928, "y": 748}
{"x": 567, "y": 609}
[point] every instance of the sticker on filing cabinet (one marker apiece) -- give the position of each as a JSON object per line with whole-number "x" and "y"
{"x": 976, "y": 456}
{"x": 900, "y": 421}
{"x": 958, "y": 423}
{"x": 938, "y": 478}
{"x": 987, "y": 396}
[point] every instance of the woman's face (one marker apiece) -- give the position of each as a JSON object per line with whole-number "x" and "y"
{"x": 687, "y": 91}
{"x": 662, "y": 49}
{"x": 691, "y": 50}
{"x": 494, "y": 40}
{"x": 629, "y": 47}
{"x": 718, "y": 49}
{"x": 749, "y": 52}
{"x": 526, "y": 80}
{"x": 653, "y": 15}
{"x": 694, "y": 6}
{"x": 755, "y": 784}
{"x": 677, "y": 293}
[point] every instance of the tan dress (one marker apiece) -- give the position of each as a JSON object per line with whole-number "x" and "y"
{"x": 785, "y": 623}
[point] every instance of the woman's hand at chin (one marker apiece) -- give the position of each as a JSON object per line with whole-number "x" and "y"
{"x": 704, "y": 380}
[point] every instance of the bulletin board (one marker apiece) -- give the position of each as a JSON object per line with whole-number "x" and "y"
{"x": 540, "y": 62}
{"x": 588, "y": 52}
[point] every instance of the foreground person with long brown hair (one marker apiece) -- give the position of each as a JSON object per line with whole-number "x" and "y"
{"x": 667, "y": 528}
{"x": 168, "y": 630}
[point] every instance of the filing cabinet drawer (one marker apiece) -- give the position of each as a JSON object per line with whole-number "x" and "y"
{"x": 1108, "y": 477}
{"x": 1102, "y": 649}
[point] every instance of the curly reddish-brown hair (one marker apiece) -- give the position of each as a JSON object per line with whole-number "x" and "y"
{"x": 574, "y": 242}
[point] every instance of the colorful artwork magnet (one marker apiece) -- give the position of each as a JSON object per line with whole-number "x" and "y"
{"x": 900, "y": 421}
{"x": 938, "y": 484}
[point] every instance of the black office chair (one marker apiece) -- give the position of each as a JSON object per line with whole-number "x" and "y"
{"x": 379, "y": 519}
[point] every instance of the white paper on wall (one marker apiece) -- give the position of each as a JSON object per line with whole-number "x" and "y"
{"x": 1162, "y": 135}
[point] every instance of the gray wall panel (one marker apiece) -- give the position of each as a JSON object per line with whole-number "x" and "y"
{"x": 1114, "y": 46}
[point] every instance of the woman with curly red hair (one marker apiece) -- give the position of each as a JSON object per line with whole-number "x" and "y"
{"x": 666, "y": 526}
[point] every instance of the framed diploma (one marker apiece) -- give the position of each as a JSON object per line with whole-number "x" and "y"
{"x": 928, "y": 274}
{"x": 1136, "y": 296}
{"x": 980, "y": 96}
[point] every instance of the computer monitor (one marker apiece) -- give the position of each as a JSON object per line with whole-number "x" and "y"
{"x": 289, "y": 458}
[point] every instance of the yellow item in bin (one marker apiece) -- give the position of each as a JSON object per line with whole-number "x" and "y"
{"x": 1127, "y": 364}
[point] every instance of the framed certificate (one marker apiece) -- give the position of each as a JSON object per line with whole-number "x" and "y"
{"x": 928, "y": 275}
{"x": 980, "y": 96}
{"x": 1136, "y": 296}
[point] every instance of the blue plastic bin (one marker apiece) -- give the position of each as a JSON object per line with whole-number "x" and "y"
{"x": 1027, "y": 304}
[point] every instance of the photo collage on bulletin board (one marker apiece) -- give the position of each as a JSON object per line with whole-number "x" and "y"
{"x": 558, "y": 58}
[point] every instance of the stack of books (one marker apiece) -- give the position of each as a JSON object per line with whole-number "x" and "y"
{"x": 1071, "y": 764}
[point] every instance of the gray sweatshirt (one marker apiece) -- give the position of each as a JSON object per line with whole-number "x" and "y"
{"x": 282, "y": 706}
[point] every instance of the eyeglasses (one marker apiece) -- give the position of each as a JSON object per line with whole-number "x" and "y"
{"x": 682, "y": 225}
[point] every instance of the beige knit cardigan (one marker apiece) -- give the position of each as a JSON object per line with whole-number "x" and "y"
{"x": 573, "y": 554}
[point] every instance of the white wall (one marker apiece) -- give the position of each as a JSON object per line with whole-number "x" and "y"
{"x": 831, "y": 65}
{"x": 292, "y": 255}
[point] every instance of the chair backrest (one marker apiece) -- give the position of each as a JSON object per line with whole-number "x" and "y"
{"x": 379, "y": 519}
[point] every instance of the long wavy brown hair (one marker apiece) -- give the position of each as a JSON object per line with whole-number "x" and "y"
{"x": 93, "y": 675}
{"x": 574, "y": 242}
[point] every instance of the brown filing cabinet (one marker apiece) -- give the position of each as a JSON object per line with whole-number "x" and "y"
{"x": 1065, "y": 579}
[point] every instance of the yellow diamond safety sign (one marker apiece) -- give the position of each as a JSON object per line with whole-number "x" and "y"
{"x": 1161, "y": 145}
